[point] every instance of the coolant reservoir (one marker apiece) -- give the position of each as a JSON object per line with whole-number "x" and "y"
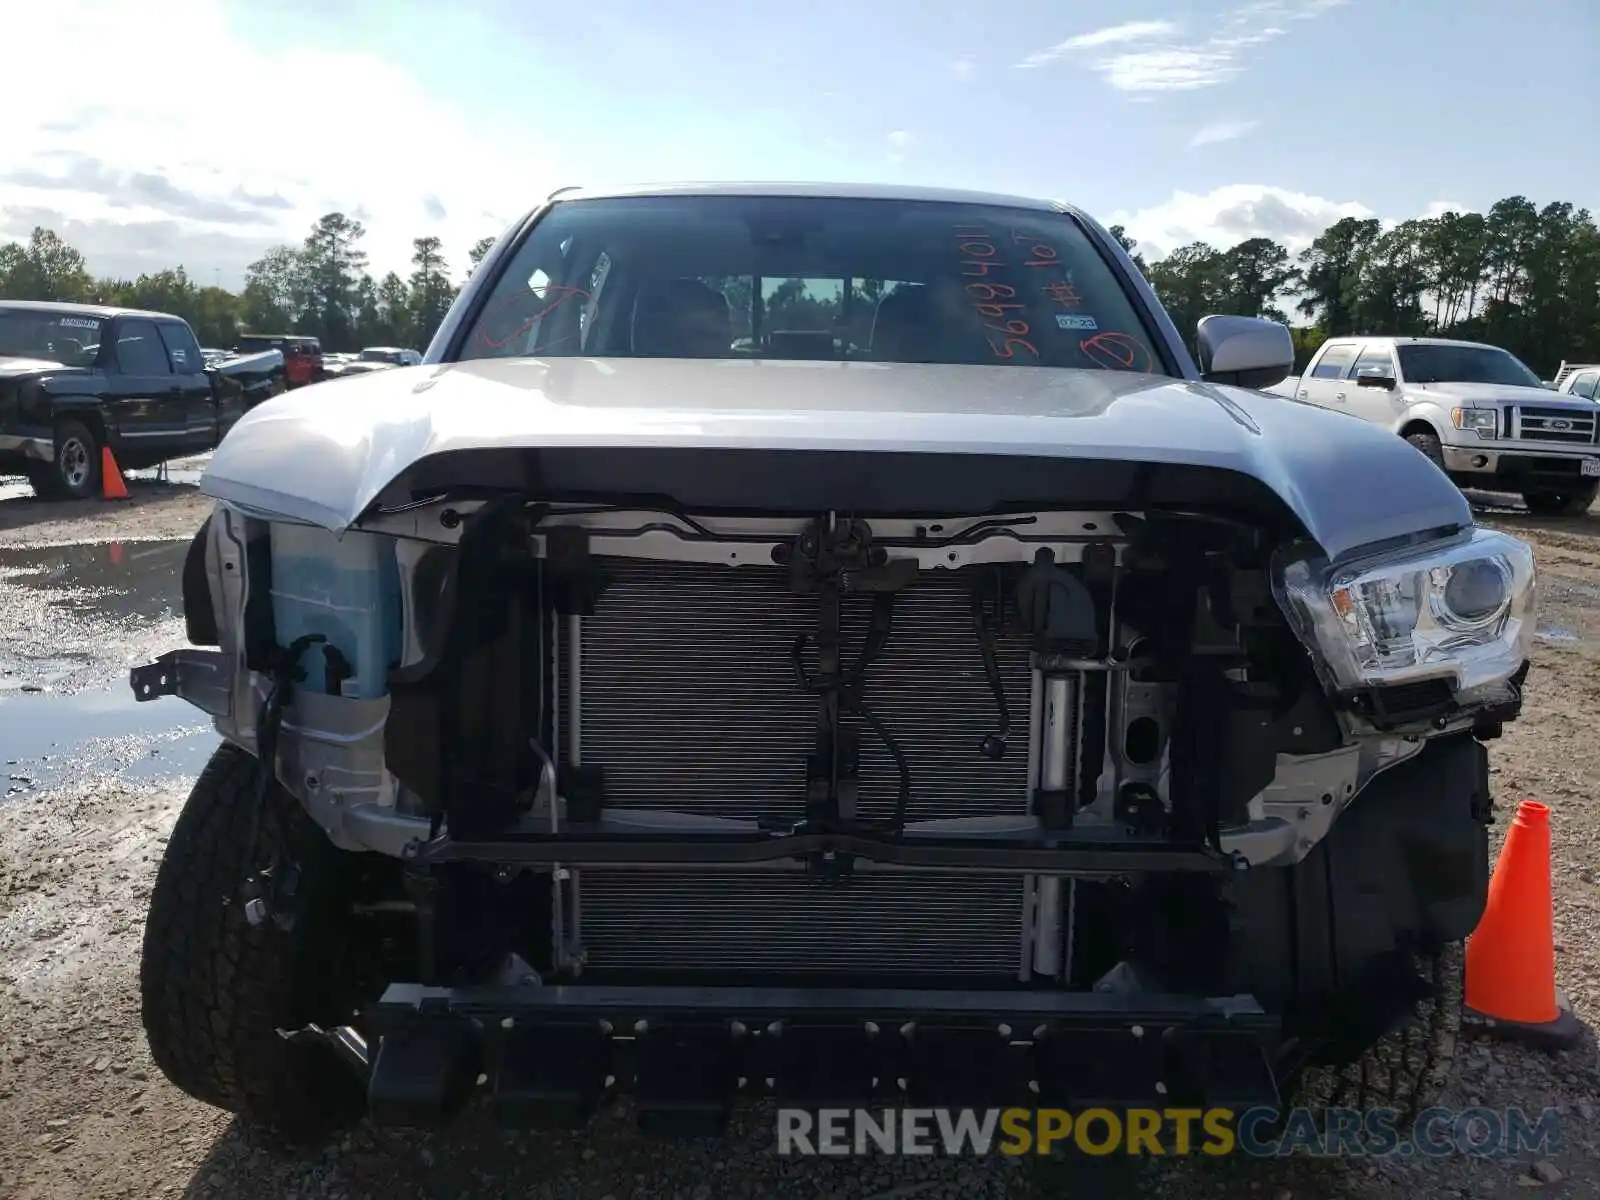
{"x": 346, "y": 589}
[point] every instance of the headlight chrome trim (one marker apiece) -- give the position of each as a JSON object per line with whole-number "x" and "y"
{"x": 1384, "y": 618}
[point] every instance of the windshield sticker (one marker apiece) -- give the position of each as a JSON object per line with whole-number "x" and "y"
{"x": 78, "y": 323}
{"x": 1118, "y": 351}
{"x": 1076, "y": 321}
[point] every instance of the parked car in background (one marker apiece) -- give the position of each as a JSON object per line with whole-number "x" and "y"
{"x": 334, "y": 365}
{"x": 381, "y": 358}
{"x": 1579, "y": 379}
{"x": 991, "y": 714}
{"x": 302, "y": 355}
{"x": 1475, "y": 410}
{"x": 75, "y": 378}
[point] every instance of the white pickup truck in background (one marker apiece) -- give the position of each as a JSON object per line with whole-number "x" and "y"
{"x": 1482, "y": 416}
{"x": 1578, "y": 379}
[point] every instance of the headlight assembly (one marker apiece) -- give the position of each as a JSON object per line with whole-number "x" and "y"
{"x": 1482, "y": 421}
{"x": 1460, "y": 610}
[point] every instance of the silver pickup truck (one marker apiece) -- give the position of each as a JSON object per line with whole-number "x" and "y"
{"x": 832, "y": 645}
{"x": 1475, "y": 410}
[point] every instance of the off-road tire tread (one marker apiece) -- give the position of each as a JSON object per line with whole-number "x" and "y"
{"x": 215, "y": 990}
{"x": 1429, "y": 444}
{"x": 1404, "y": 1071}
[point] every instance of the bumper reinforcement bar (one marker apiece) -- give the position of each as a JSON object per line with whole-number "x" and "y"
{"x": 1011, "y": 854}
{"x": 552, "y": 1056}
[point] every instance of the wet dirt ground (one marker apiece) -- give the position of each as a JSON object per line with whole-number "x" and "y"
{"x": 92, "y": 781}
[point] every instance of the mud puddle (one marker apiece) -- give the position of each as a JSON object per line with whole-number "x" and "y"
{"x": 117, "y": 581}
{"x": 47, "y": 740}
{"x": 73, "y": 619}
{"x": 1556, "y": 635}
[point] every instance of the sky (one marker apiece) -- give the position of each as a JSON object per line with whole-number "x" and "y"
{"x": 203, "y": 132}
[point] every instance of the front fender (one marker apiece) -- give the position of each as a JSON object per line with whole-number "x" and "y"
{"x": 1426, "y": 412}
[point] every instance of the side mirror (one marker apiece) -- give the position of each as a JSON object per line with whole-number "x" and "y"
{"x": 1249, "y": 352}
{"x": 1374, "y": 377}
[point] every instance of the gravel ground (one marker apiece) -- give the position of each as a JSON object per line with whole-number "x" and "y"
{"x": 83, "y": 1113}
{"x": 153, "y": 510}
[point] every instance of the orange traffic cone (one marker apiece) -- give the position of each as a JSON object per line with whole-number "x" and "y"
{"x": 111, "y": 485}
{"x": 1511, "y": 956}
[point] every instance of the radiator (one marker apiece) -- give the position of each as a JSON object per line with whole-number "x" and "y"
{"x": 689, "y": 701}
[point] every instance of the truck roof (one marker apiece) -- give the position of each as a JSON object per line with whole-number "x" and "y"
{"x": 1413, "y": 341}
{"x": 821, "y": 191}
{"x": 103, "y": 311}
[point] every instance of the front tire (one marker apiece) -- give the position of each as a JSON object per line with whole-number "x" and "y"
{"x": 74, "y": 473}
{"x": 1567, "y": 503}
{"x": 1405, "y": 1070}
{"x": 215, "y": 990}
{"x": 1430, "y": 446}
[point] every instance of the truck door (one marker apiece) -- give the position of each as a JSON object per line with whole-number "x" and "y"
{"x": 146, "y": 400}
{"x": 1381, "y": 406}
{"x": 1324, "y": 382}
{"x": 200, "y": 416}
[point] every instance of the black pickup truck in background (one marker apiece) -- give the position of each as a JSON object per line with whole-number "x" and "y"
{"x": 76, "y": 377}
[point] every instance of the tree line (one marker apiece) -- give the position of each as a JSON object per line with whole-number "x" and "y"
{"x": 321, "y": 288}
{"x": 1519, "y": 276}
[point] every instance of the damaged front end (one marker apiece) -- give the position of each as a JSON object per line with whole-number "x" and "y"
{"x": 1031, "y": 804}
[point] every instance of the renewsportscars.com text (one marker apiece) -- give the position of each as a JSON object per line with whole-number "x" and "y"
{"x": 1257, "y": 1132}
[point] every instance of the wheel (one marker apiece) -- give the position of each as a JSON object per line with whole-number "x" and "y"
{"x": 1562, "y": 504}
{"x": 1429, "y": 445}
{"x": 74, "y": 474}
{"x": 1405, "y": 1070}
{"x": 215, "y": 990}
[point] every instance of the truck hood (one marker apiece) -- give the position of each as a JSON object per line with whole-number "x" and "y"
{"x": 1496, "y": 393}
{"x": 322, "y": 454}
{"x": 12, "y": 368}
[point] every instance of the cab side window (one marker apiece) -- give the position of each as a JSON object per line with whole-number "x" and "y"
{"x": 1585, "y": 385}
{"x": 1373, "y": 356}
{"x": 140, "y": 350}
{"x": 182, "y": 350}
{"x": 1333, "y": 362}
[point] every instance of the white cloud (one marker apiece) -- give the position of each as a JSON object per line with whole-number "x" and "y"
{"x": 1112, "y": 35}
{"x": 963, "y": 69}
{"x": 144, "y": 177}
{"x": 1166, "y": 61}
{"x": 1439, "y": 207}
{"x": 1222, "y": 131}
{"x": 900, "y": 141}
{"x": 1231, "y": 214}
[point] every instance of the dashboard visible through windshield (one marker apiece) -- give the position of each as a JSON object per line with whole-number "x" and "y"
{"x": 831, "y": 279}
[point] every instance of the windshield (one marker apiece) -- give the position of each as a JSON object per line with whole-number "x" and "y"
{"x": 1463, "y": 364}
{"x": 796, "y": 278}
{"x": 66, "y": 338}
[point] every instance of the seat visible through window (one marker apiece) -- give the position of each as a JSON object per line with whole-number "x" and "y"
{"x": 681, "y": 318}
